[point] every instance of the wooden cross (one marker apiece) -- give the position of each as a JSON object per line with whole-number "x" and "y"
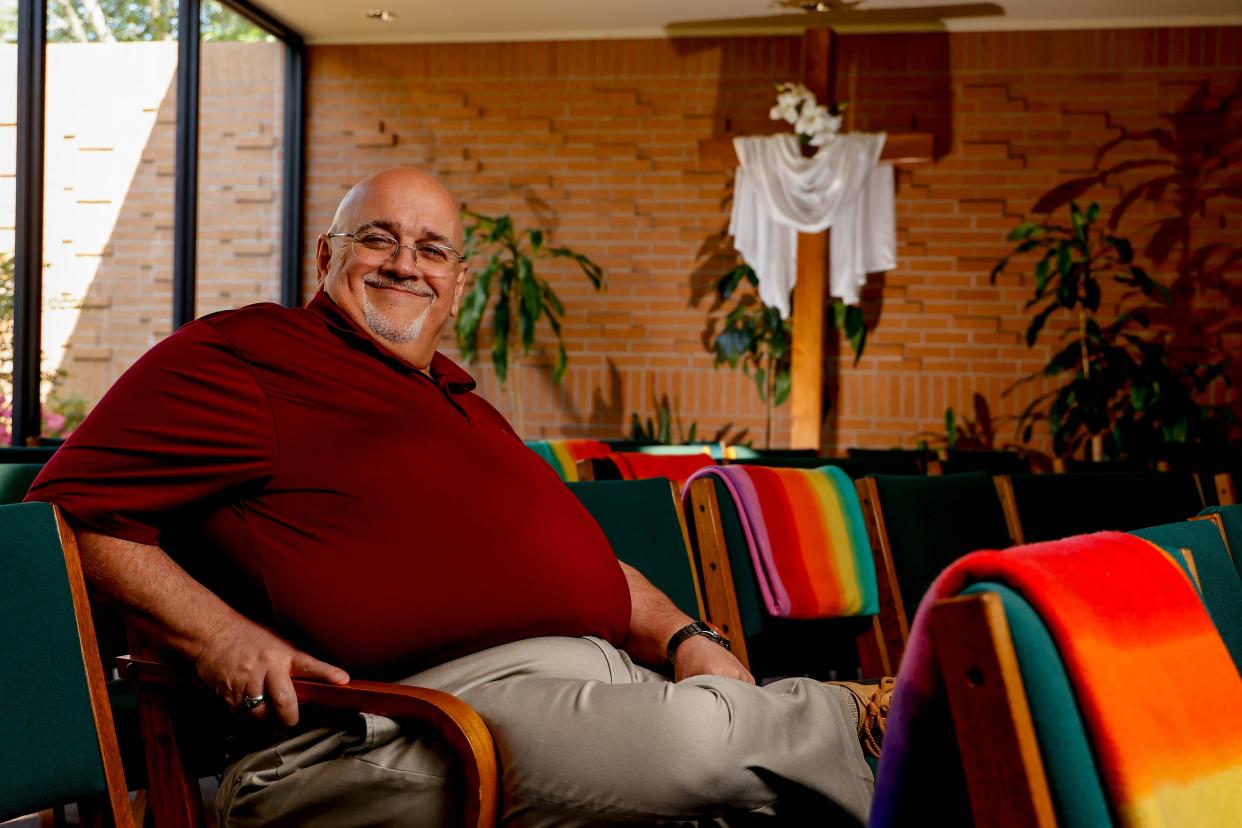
{"x": 902, "y": 149}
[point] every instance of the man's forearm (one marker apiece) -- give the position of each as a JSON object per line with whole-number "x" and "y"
{"x": 653, "y": 619}
{"x": 246, "y": 664}
{"x": 153, "y": 592}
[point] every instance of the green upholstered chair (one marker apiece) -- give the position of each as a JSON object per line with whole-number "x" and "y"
{"x": 1213, "y": 569}
{"x": 27, "y": 454}
{"x": 774, "y": 647}
{"x": 992, "y": 462}
{"x": 1021, "y": 742}
{"x": 643, "y": 522}
{"x": 1053, "y": 506}
{"x": 855, "y": 467}
{"x": 909, "y": 457}
{"x": 57, "y": 739}
{"x": 15, "y": 480}
{"x": 1228, "y": 520}
{"x": 920, "y": 525}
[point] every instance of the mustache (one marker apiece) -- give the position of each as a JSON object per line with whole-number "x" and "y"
{"x": 407, "y": 285}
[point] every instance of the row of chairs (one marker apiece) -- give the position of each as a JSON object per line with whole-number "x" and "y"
{"x": 704, "y": 573}
{"x": 1211, "y": 488}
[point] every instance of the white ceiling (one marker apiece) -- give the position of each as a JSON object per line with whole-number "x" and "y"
{"x": 345, "y": 21}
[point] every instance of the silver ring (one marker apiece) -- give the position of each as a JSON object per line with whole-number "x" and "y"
{"x": 251, "y": 702}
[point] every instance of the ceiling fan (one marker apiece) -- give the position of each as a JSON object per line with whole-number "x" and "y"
{"x": 800, "y": 15}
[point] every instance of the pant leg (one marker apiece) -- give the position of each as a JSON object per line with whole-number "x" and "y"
{"x": 585, "y": 737}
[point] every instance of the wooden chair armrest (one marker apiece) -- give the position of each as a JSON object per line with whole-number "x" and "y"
{"x": 452, "y": 718}
{"x": 153, "y": 673}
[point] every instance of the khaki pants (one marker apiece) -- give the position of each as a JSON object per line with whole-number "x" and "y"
{"x": 585, "y": 737}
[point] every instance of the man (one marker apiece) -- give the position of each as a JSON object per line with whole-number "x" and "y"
{"x": 276, "y": 492}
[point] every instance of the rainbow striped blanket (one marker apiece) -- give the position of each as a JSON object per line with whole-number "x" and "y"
{"x": 633, "y": 465}
{"x": 1160, "y": 698}
{"x": 563, "y": 455}
{"x": 806, "y": 537}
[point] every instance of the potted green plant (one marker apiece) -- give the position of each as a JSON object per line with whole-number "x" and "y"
{"x": 1123, "y": 394}
{"x": 753, "y": 335}
{"x": 519, "y": 297}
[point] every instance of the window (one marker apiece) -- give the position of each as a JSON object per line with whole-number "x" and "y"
{"x": 109, "y": 182}
{"x": 8, "y": 203}
{"x": 240, "y": 162}
{"x": 137, "y": 197}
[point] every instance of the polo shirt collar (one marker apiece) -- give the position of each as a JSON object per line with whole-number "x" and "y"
{"x": 444, "y": 372}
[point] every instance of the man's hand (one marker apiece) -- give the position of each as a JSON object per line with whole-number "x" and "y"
{"x": 654, "y": 619}
{"x": 244, "y": 659}
{"x": 700, "y": 656}
{"x": 233, "y": 655}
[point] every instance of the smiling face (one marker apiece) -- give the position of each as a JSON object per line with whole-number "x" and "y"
{"x": 403, "y": 303}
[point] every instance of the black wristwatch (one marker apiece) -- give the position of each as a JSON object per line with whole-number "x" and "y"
{"x": 692, "y": 629}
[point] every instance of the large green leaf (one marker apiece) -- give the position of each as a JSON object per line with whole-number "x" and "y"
{"x": 552, "y": 301}
{"x": 500, "y": 336}
{"x": 531, "y": 306}
{"x": 471, "y": 316}
{"x": 593, "y": 271}
{"x": 732, "y": 344}
{"x": 1125, "y": 251}
{"x": 1091, "y": 295}
{"x": 784, "y": 382}
{"x": 1078, "y": 221}
{"x": 1037, "y": 324}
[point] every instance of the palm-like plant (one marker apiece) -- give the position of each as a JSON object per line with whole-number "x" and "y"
{"x": 753, "y": 336}
{"x": 518, "y": 295}
{"x": 1124, "y": 395}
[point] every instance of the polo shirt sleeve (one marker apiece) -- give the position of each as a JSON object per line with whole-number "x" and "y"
{"x": 186, "y": 427}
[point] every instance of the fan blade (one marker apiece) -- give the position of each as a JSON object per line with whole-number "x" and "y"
{"x": 904, "y": 18}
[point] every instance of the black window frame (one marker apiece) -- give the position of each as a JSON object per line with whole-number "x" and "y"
{"x": 28, "y": 249}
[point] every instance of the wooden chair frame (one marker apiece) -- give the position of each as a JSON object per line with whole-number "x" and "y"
{"x": 893, "y": 621}
{"x": 713, "y": 565}
{"x": 115, "y": 800}
{"x": 873, "y": 654}
{"x": 1219, "y": 523}
{"x": 1226, "y": 495}
{"x": 1004, "y": 488}
{"x": 1004, "y": 771}
{"x": 174, "y": 794}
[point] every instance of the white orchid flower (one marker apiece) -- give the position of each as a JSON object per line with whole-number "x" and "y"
{"x": 812, "y": 120}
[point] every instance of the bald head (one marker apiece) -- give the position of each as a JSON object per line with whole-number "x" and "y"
{"x": 407, "y": 300}
{"x": 350, "y": 212}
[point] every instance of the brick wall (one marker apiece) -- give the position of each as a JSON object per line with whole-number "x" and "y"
{"x": 599, "y": 141}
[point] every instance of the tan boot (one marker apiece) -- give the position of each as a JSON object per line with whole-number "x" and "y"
{"x": 873, "y": 699}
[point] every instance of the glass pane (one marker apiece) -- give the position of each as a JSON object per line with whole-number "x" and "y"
{"x": 109, "y": 170}
{"x": 8, "y": 203}
{"x": 240, "y": 157}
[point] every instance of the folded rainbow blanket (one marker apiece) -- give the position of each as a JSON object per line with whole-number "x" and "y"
{"x": 676, "y": 467}
{"x": 806, "y": 537}
{"x": 563, "y": 455}
{"x": 1158, "y": 692}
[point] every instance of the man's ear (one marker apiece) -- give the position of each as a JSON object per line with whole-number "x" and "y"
{"x": 460, "y": 286}
{"x": 323, "y": 258}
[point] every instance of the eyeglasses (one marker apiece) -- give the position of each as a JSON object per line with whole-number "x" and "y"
{"x": 372, "y": 248}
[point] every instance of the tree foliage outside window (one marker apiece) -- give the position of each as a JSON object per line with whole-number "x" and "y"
{"x": 61, "y": 415}
{"x": 111, "y": 21}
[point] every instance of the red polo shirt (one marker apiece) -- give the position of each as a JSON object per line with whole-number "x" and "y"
{"x": 381, "y": 518}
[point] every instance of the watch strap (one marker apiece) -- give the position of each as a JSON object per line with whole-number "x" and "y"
{"x": 692, "y": 629}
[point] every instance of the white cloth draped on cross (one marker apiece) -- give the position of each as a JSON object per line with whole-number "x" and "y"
{"x": 777, "y": 193}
